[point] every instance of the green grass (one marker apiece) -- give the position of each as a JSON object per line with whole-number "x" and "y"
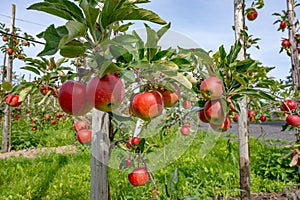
{"x": 200, "y": 173}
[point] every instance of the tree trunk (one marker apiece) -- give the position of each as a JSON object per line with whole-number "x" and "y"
{"x": 243, "y": 132}
{"x": 294, "y": 50}
{"x": 101, "y": 128}
{"x": 7, "y": 113}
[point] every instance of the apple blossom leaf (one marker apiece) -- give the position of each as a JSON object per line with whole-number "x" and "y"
{"x": 7, "y": 86}
{"x": 24, "y": 93}
{"x": 73, "y": 49}
{"x": 111, "y": 15}
{"x": 52, "y": 36}
{"x": 91, "y": 14}
{"x": 61, "y": 8}
{"x": 75, "y": 29}
{"x": 183, "y": 80}
{"x": 31, "y": 69}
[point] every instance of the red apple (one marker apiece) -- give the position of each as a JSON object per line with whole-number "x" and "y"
{"x": 139, "y": 176}
{"x": 46, "y": 116}
{"x": 285, "y": 43}
{"x": 147, "y": 105}
{"x": 288, "y": 105}
{"x": 105, "y": 94}
{"x": 235, "y": 117}
{"x": 128, "y": 162}
{"x": 135, "y": 141}
{"x": 34, "y": 128}
{"x": 128, "y": 143}
{"x": 18, "y": 108}
{"x": 211, "y": 88}
{"x": 263, "y": 118}
{"x": 80, "y": 124}
{"x": 187, "y": 104}
{"x": 84, "y": 136}
{"x": 222, "y": 127}
{"x": 44, "y": 90}
{"x": 283, "y": 25}
{"x": 214, "y": 112}
{"x": 293, "y": 120}
{"x": 17, "y": 117}
{"x": 27, "y": 111}
{"x": 73, "y": 99}
{"x": 185, "y": 130}
{"x": 202, "y": 117}
{"x": 12, "y": 100}
{"x": 54, "y": 121}
{"x": 251, "y": 14}
{"x": 169, "y": 97}
{"x": 251, "y": 113}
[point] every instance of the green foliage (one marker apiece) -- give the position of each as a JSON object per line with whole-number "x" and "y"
{"x": 216, "y": 175}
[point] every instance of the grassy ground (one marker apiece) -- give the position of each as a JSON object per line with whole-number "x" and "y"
{"x": 198, "y": 174}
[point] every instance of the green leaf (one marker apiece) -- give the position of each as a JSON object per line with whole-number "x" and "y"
{"x": 151, "y": 44}
{"x": 91, "y": 14}
{"x": 183, "y": 80}
{"x": 52, "y": 36}
{"x": 24, "y": 93}
{"x": 6, "y": 86}
{"x": 256, "y": 93}
{"x": 75, "y": 30}
{"x": 32, "y": 69}
{"x": 163, "y": 30}
{"x": 73, "y": 49}
{"x": 129, "y": 13}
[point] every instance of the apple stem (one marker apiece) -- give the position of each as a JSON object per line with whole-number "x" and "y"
{"x": 150, "y": 175}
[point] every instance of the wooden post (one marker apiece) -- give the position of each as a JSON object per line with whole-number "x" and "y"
{"x": 293, "y": 47}
{"x": 243, "y": 131}
{"x": 7, "y": 113}
{"x": 101, "y": 128}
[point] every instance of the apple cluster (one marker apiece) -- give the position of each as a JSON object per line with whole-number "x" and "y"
{"x": 83, "y": 133}
{"x": 287, "y": 107}
{"x": 213, "y": 111}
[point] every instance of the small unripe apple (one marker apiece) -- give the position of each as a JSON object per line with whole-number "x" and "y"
{"x": 186, "y": 104}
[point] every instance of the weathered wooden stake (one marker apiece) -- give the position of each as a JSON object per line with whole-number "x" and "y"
{"x": 243, "y": 131}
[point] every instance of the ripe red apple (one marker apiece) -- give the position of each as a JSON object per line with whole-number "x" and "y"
{"x": 44, "y": 90}
{"x": 283, "y": 25}
{"x": 211, "y": 88}
{"x": 17, "y": 117}
{"x": 34, "y": 128}
{"x": 10, "y": 51}
{"x": 105, "y": 94}
{"x": 288, "y": 104}
{"x": 27, "y": 111}
{"x": 252, "y": 118}
{"x": 128, "y": 162}
{"x": 185, "y": 130}
{"x": 251, "y": 113}
{"x": 147, "y": 105}
{"x": 251, "y": 14}
{"x": 221, "y": 127}
{"x": 84, "y": 136}
{"x": 293, "y": 120}
{"x": 4, "y": 38}
{"x": 18, "y": 107}
{"x": 54, "y": 121}
{"x": 128, "y": 143}
{"x": 235, "y": 117}
{"x": 73, "y": 99}
{"x": 12, "y": 100}
{"x": 170, "y": 98}
{"x": 214, "y": 112}
{"x": 202, "y": 117}
{"x": 285, "y": 43}
{"x": 80, "y": 124}
{"x": 139, "y": 176}
{"x": 187, "y": 104}
{"x": 263, "y": 118}
{"x": 135, "y": 141}
{"x": 46, "y": 116}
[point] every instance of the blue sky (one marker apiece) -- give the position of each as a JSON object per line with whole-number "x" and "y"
{"x": 207, "y": 24}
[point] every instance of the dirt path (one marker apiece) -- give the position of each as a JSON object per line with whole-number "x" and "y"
{"x": 31, "y": 153}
